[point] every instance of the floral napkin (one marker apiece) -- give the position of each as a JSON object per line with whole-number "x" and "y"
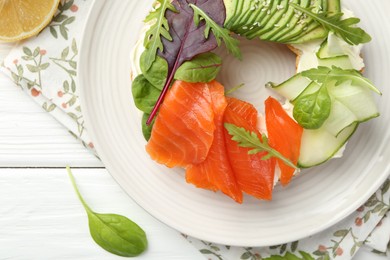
{"x": 45, "y": 67}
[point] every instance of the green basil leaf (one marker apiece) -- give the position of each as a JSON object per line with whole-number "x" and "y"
{"x": 114, "y": 233}
{"x": 146, "y": 129}
{"x": 202, "y": 68}
{"x": 145, "y": 94}
{"x": 312, "y": 110}
{"x": 157, "y": 73}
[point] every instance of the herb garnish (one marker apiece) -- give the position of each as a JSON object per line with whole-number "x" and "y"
{"x": 219, "y": 32}
{"x": 343, "y": 28}
{"x": 187, "y": 39}
{"x": 339, "y": 76}
{"x": 160, "y": 27}
{"x": 249, "y": 139}
{"x": 114, "y": 233}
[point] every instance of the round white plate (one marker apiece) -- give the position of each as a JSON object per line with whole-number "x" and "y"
{"x": 314, "y": 201}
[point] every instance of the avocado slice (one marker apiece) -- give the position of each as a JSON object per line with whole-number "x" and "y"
{"x": 281, "y": 9}
{"x": 303, "y": 26}
{"x": 267, "y": 9}
{"x": 283, "y": 23}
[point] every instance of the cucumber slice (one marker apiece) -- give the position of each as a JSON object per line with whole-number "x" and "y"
{"x": 330, "y": 48}
{"x": 310, "y": 89}
{"x": 339, "y": 118}
{"x": 358, "y": 99}
{"x": 342, "y": 61}
{"x": 292, "y": 87}
{"x": 318, "y": 146}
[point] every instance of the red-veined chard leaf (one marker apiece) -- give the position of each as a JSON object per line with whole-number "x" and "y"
{"x": 187, "y": 38}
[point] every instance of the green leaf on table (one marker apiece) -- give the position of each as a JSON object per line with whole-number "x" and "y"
{"x": 202, "y": 68}
{"x": 249, "y": 139}
{"x": 44, "y": 66}
{"x": 313, "y": 109}
{"x": 74, "y": 47}
{"x": 219, "y": 32}
{"x": 144, "y": 93}
{"x": 157, "y": 73}
{"x": 324, "y": 74}
{"x": 36, "y": 52}
{"x": 114, "y": 233}
{"x": 345, "y": 29}
{"x": 160, "y": 27}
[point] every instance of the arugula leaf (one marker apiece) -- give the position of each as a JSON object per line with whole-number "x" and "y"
{"x": 313, "y": 109}
{"x": 188, "y": 39}
{"x": 160, "y": 27}
{"x": 155, "y": 74}
{"x": 219, "y": 31}
{"x": 144, "y": 93}
{"x": 249, "y": 139}
{"x": 203, "y": 68}
{"x": 344, "y": 28}
{"x": 323, "y": 74}
{"x": 114, "y": 233}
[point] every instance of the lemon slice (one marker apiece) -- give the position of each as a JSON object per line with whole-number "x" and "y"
{"x": 20, "y": 19}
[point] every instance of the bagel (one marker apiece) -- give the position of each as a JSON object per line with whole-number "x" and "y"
{"x": 316, "y": 48}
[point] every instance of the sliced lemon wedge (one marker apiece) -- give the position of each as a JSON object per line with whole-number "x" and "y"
{"x": 20, "y": 19}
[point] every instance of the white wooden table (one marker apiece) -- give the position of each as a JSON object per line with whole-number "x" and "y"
{"x": 40, "y": 215}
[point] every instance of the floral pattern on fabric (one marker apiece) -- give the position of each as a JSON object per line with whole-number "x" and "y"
{"x": 46, "y": 67}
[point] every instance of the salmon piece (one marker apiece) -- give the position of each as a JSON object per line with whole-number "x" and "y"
{"x": 254, "y": 175}
{"x": 184, "y": 128}
{"x": 284, "y": 135}
{"x": 216, "y": 173}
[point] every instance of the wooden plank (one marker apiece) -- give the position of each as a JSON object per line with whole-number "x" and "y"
{"x": 42, "y": 218}
{"x": 30, "y": 137}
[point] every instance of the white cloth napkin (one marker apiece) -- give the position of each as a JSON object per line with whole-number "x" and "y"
{"x": 45, "y": 67}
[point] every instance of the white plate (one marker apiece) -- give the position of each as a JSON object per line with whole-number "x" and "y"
{"x": 314, "y": 201}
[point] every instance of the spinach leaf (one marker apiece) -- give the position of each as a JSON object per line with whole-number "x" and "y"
{"x": 156, "y": 74}
{"x": 146, "y": 129}
{"x": 114, "y": 233}
{"x": 202, "y": 68}
{"x": 311, "y": 110}
{"x": 145, "y": 94}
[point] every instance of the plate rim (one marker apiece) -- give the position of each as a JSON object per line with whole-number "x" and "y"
{"x": 90, "y": 22}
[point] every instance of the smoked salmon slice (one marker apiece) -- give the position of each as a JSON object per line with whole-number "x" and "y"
{"x": 184, "y": 128}
{"x": 284, "y": 135}
{"x": 216, "y": 173}
{"x": 254, "y": 175}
